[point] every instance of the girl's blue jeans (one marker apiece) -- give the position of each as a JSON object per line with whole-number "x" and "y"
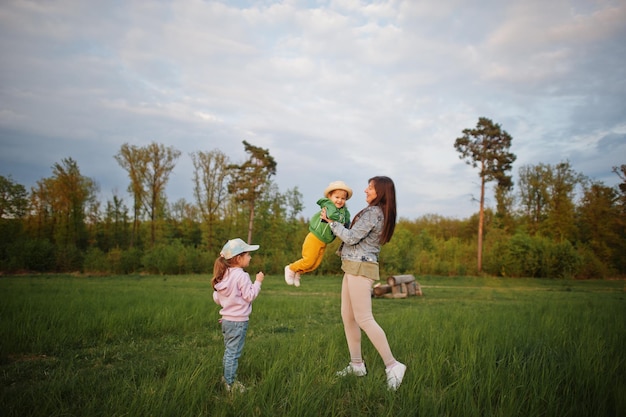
{"x": 234, "y": 337}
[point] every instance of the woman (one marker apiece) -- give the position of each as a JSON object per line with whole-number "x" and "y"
{"x": 370, "y": 229}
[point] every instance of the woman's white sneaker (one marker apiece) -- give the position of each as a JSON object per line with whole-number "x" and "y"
{"x": 395, "y": 374}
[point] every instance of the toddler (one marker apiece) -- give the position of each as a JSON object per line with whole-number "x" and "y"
{"x": 320, "y": 235}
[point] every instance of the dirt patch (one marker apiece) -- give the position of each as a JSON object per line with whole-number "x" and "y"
{"x": 12, "y": 358}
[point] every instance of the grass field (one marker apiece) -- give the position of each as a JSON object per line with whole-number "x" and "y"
{"x": 152, "y": 346}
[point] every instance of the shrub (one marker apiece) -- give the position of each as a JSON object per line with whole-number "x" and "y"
{"x": 196, "y": 261}
{"x": 534, "y": 256}
{"x": 130, "y": 261}
{"x": 96, "y": 261}
{"x": 161, "y": 259}
{"x": 175, "y": 258}
{"x": 69, "y": 258}
{"x": 591, "y": 266}
{"x": 521, "y": 256}
{"x": 33, "y": 255}
{"x": 562, "y": 261}
{"x": 399, "y": 254}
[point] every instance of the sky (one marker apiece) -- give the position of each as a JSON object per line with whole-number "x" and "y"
{"x": 334, "y": 89}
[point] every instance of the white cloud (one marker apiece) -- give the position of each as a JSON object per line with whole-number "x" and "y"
{"x": 336, "y": 89}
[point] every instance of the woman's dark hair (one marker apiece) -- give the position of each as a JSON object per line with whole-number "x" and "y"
{"x": 386, "y": 200}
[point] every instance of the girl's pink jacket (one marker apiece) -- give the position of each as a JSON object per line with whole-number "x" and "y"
{"x": 235, "y": 294}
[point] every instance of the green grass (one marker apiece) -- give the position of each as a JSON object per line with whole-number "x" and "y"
{"x": 152, "y": 346}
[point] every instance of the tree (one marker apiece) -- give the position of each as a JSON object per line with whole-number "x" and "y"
{"x": 504, "y": 203}
{"x": 59, "y": 207}
{"x": 547, "y": 198}
{"x": 149, "y": 169}
{"x": 131, "y": 158}
{"x": 598, "y": 224}
{"x": 184, "y": 223}
{"x": 621, "y": 173}
{"x": 115, "y": 224}
{"x": 250, "y": 179}
{"x": 39, "y": 223}
{"x": 70, "y": 193}
{"x": 13, "y": 207}
{"x": 211, "y": 175}
{"x": 534, "y": 195}
{"x": 13, "y": 199}
{"x": 160, "y": 162}
{"x": 486, "y": 147}
{"x": 560, "y": 218}
{"x": 294, "y": 203}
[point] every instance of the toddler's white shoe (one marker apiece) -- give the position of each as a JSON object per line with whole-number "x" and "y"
{"x": 296, "y": 279}
{"x": 353, "y": 369}
{"x": 395, "y": 375}
{"x": 290, "y": 276}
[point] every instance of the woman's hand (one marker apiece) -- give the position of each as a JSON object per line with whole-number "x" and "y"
{"x": 323, "y": 215}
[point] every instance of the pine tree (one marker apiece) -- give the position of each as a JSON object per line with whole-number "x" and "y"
{"x": 487, "y": 148}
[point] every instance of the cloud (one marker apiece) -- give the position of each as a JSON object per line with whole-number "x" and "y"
{"x": 335, "y": 89}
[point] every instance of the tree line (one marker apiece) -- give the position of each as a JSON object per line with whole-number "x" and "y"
{"x": 554, "y": 222}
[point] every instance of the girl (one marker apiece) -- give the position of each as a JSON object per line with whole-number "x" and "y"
{"x": 234, "y": 291}
{"x": 371, "y": 228}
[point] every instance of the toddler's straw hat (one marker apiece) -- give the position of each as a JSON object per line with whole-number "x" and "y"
{"x": 338, "y": 185}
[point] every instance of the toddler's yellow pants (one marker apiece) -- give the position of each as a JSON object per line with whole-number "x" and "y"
{"x": 312, "y": 255}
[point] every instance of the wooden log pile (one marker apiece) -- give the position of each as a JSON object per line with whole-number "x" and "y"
{"x": 398, "y": 286}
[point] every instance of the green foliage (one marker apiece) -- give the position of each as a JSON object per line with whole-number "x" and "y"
{"x": 116, "y": 261}
{"x": 562, "y": 259}
{"x": 591, "y": 266}
{"x": 250, "y": 179}
{"x": 174, "y": 258}
{"x": 13, "y": 199}
{"x": 11, "y": 231}
{"x": 148, "y": 168}
{"x": 550, "y": 235}
{"x": 128, "y": 262}
{"x": 411, "y": 253}
{"x": 96, "y": 261}
{"x": 519, "y": 256}
{"x": 36, "y": 255}
{"x": 534, "y": 256}
{"x": 399, "y": 257}
{"x": 162, "y": 259}
{"x": 601, "y": 227}
{"x": 547, "y": 199}
{"x": 69, "y": 258}
{"x": 559, "y": 223}
{"x": 68, "y": 193}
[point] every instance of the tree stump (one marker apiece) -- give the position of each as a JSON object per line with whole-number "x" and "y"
{"x": 404, "y": 284}
{"x": 380, "y": 290}
{"x": 400, "y": 279}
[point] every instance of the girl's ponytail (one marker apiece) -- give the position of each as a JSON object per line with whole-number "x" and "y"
{"x": 221, "y": 265}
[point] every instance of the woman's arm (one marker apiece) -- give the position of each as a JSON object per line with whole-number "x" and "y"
{"x": 359, "y": 230}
